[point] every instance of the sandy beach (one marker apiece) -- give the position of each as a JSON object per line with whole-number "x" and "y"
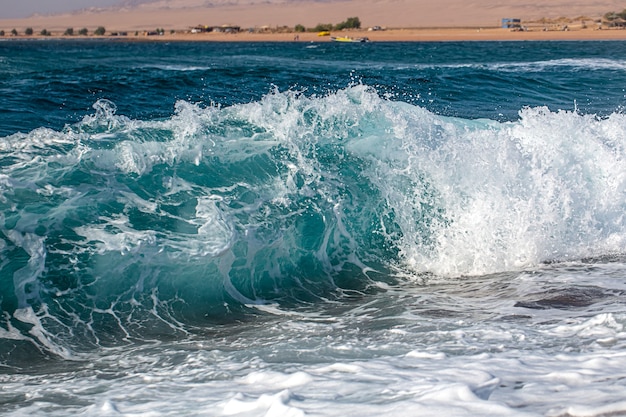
{"x": 403, "y": 20}
{"x": 405, "y": 35}
{"x": 390, "y": 35}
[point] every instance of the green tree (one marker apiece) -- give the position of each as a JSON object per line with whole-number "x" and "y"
{"x": 69, "y": 32}
{"x": 83, "y": 32}
{"x": 323, "y": 27}
{"x": 100, "y": 31}
{"x": 354, "y": 22}
{"x": 44, "y": 32}
{"x": 28, "y": 31}
{"x": 349, "y": 23}
{"x": 299, "y": 28}
{"x": 14, "y": 32}
{"x": 1, "y": 32}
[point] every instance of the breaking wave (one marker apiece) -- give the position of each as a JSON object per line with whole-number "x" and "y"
{"x": 117, "y": 229}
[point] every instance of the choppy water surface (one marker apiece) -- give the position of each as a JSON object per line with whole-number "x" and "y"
{"x": 296, "y": 229}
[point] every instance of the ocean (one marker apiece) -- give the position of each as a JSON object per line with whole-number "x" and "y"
{"x": 312, "y": 229}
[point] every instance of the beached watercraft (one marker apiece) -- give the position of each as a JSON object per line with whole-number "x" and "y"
{"x": 348, "y": 39}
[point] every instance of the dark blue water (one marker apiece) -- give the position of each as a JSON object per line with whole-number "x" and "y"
{"x": 51, "y": 83}
{"x": 311, "y": 226}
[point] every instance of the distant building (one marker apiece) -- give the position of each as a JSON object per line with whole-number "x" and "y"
{"x": 201, "y": 29}
{"x": 226, "y": 29}
{"x": 221, "y": 29}
{"x": 511, "y": 23}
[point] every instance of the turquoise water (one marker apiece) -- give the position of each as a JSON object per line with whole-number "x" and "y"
{"x": 312, "y": 228}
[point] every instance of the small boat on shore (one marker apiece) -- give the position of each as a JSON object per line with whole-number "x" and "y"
{"x": 348, "y": 39}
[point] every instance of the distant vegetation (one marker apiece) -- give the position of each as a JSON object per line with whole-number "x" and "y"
{"x": 323, "y": 27}
{"x": 610, "y": 16}
{"x": 349, "y": 23}
{"x": 614, "y": 19}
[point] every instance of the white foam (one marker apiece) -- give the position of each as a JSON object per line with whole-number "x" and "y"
{"x": 116, "y": 235}
{"x": 613, "y": 409}
{"x": 511, "y": 195}
{"x": 25, "y": 279}
{"x": 277, "y": 379}
{"x": 41, "y": 335}
{"x": 297, "y": 369}
{"x": 598, "y": 327}
{"x": 426, "y": 355}
{"x": 268, "y": 405}
{"x": 216, "y": 234}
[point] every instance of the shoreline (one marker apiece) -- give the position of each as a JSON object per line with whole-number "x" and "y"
{"x": 277, "y": 20}
{"x": 388, "y": 35}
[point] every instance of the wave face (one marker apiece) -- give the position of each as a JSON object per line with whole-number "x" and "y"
{"x": 135, "y": 208}
{"x": 115, "y": 228}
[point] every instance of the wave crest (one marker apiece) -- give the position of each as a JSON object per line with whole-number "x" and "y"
{"x": 289, "y": 199}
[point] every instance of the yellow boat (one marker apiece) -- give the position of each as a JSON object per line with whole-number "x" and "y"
{"x": 347, "y": 39}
